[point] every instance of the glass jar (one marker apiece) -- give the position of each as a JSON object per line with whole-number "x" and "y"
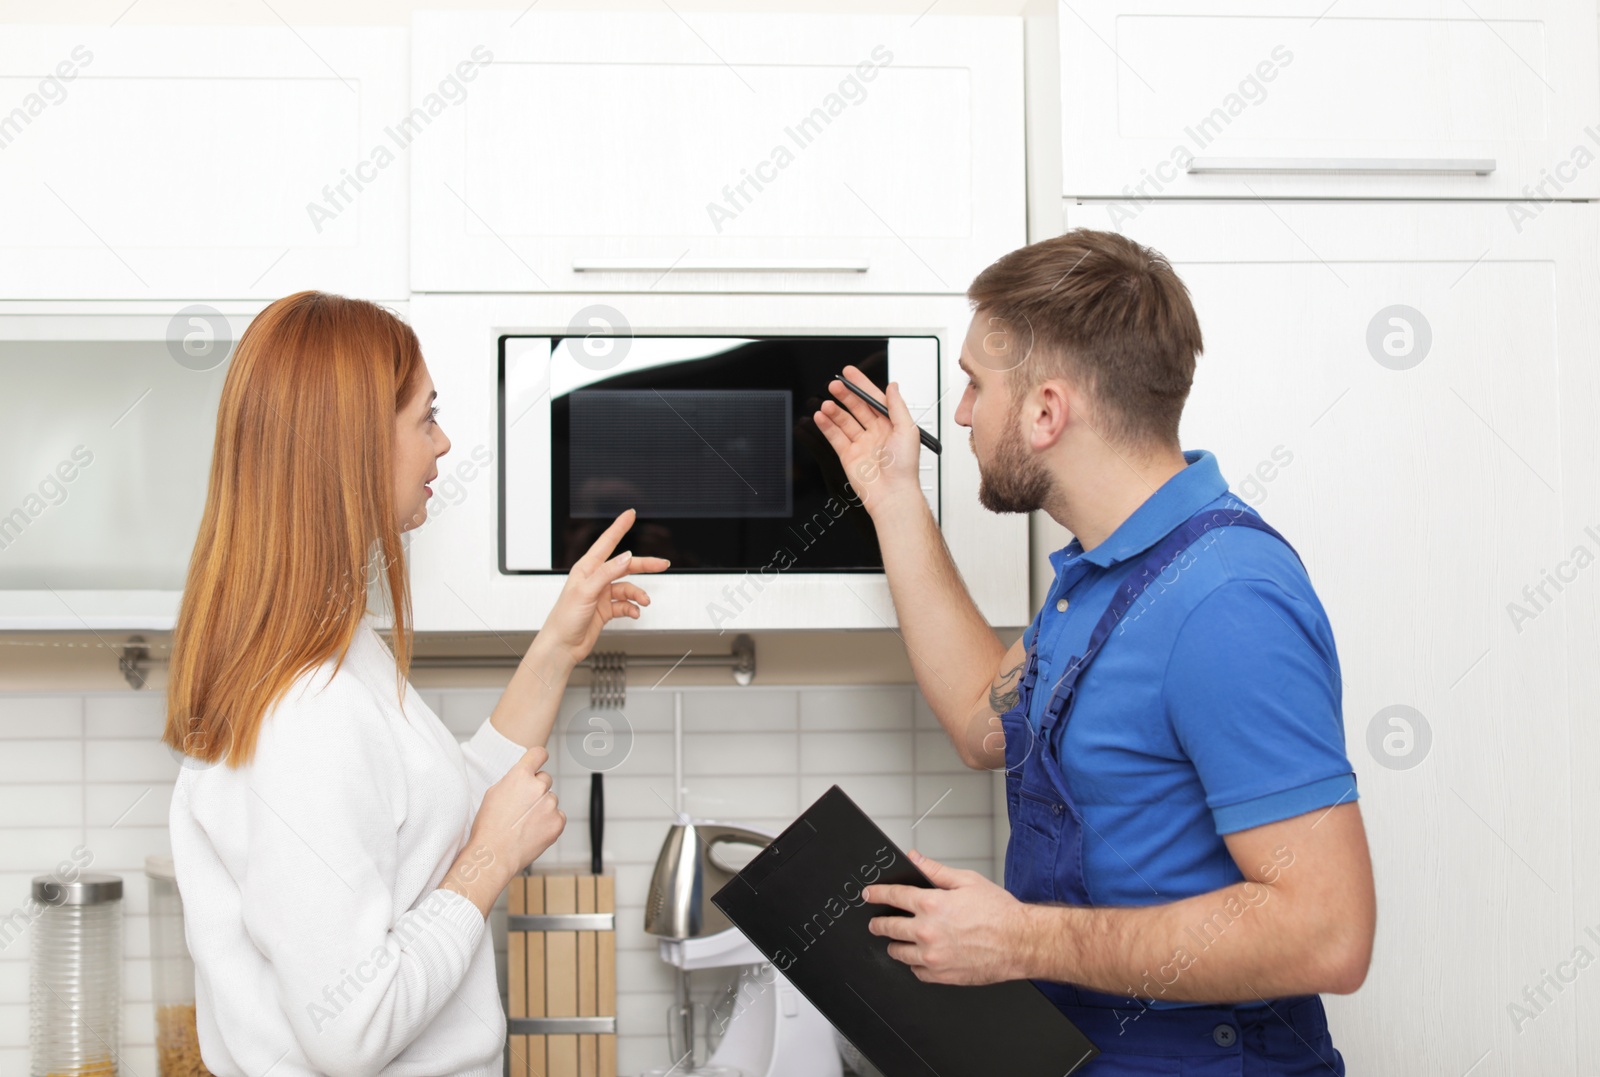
{"x": 171, "y": 976}
{"x": 75, "y": 977}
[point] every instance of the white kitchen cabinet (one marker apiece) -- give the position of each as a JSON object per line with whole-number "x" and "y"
{"x": 457, "y": 582}
{"x": 1408, "y": 392}
{"x": 156, "y": 162}
{"x": 1307, "y": 99}
{"x": 716, "y": 152}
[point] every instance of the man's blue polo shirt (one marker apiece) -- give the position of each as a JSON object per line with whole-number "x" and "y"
{"x": 1213, "y": 707}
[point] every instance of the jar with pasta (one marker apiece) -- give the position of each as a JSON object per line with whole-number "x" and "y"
{"x": 172, "y": 976}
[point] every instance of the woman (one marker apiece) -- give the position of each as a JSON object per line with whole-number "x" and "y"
{"x": 337, "y": 851}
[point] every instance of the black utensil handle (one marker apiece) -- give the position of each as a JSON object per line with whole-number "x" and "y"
{"x": 926, "y": 438}
{"x": 597, "y": 819}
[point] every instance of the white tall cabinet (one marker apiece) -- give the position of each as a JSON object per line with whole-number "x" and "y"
{"x": 1381, "y": 212}
{"x": 1427, "y": 468}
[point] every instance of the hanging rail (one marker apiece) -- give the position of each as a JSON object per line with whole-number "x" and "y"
{"x": 136, "y": 660}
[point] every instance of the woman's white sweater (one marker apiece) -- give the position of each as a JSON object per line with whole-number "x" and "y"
{"x": 310, "y": 882}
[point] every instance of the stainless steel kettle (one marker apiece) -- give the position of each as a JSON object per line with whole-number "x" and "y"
{"x": 696, "y": 861}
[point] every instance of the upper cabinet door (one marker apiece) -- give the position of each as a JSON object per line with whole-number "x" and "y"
{"x": 1302, "y": 98}
{"x": 188, "y": 163}
{"x": 715, "y": 152}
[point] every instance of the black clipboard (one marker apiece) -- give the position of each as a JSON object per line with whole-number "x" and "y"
{"x": 799, "y": 901}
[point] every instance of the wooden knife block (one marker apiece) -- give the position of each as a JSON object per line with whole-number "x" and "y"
{"x": 561, "y": 968}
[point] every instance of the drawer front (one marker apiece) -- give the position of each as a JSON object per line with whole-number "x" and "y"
{"x": 1416, "y": 99}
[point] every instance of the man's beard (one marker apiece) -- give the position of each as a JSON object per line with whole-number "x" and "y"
{"x": 1015, "y": 480}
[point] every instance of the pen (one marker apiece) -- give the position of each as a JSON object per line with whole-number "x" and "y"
{"x": 927, "y": 439}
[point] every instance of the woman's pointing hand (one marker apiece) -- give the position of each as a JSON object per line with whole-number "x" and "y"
{"x": 595, "y": 592}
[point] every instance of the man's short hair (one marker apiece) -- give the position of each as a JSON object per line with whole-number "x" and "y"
{"x": 1107, "y": 314}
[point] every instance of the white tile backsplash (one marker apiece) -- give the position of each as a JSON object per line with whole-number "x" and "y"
{"x": 14, "y": 983}
{"x": 141, "y": 716}
{"x": 465, "y": 710}
{"x": 747, "y": 710}
{"x": 739, "y": 753}
{"x": 879, "y": 795}
{"x": 855, "y": 753}
{"x": 14, "y": 1027}
{"x": 89, "y": 769}
{"x": 649, "y": 756}
{"x": 127, "y": 760}
{"x": 117, "y": 804}
{"x": 124, "y": 848}
{"x": 968, "y": 793}
{"x": 41, "y": 805}
{"x": 856, "y": 709}
{"x": 735, "y": 798}
{"x": 646, "y": 711}
{"x": 936, "y": 755}
{"x": 29, "y": 761}
{"x": 40, "y": 716}
{"x": 949, "y": 838}
{"x": 43, "y": 845}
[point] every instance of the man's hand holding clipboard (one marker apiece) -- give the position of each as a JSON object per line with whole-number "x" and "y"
{"x": 963, "y": 932}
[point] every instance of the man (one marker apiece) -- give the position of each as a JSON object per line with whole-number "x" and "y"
{"x": 1187, "y": 868}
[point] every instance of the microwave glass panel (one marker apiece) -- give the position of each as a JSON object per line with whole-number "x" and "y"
{"x": 686, "y": 453}
{"x": 106, "y": 464}
{"x": 710, "y": 439}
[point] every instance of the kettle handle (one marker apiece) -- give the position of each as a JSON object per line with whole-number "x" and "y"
{"x": 716, "y": 833}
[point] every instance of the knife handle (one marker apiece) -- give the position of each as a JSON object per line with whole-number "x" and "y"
{"x": 597, "y": 819}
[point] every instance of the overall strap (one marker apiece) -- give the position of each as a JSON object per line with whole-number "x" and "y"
{"x": 1150, "y": 567}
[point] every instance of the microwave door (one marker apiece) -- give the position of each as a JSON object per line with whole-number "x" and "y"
{"x": 712, "y": 441}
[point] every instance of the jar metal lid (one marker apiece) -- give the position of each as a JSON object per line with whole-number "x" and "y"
{"x": 90, "y": 888}
{"x": 160, "y": 867}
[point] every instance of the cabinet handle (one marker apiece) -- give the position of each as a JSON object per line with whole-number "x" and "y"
{"x": 1453, "y": 166}
{"x": 743, "y": 265}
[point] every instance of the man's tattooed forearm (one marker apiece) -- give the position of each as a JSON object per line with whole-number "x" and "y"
{"x": 1004, "y": 693}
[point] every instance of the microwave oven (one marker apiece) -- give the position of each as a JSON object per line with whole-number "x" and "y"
{"x": 711, "y": 439}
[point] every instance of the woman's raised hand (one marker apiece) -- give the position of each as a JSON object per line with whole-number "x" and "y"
{"x": 595, "y": 591}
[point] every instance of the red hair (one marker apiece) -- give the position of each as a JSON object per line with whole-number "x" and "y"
{"x": 298, "y": 513}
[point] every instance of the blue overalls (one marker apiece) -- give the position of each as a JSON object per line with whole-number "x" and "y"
{"x": 1284, "y": 1037}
